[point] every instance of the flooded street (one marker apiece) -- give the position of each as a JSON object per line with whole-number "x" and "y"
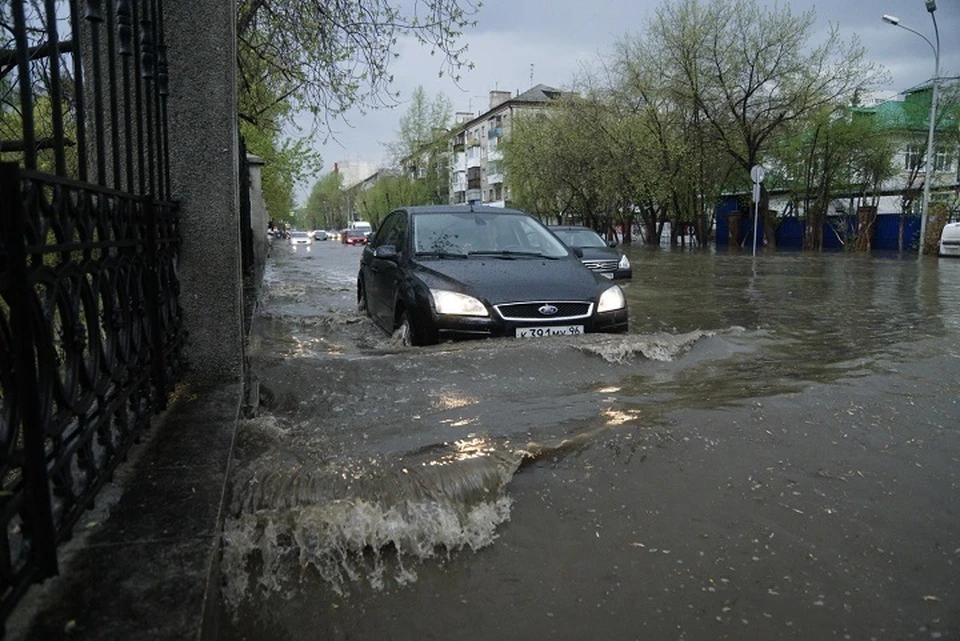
{"x": 771, "y": 452}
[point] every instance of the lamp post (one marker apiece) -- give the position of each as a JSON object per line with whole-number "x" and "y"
{"x": 928, "y": 165}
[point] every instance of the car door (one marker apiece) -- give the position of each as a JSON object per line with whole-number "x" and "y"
{"x": 383, "y": 274}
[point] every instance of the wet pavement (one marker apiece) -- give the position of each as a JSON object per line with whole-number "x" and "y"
{"x": 772, "y": 452}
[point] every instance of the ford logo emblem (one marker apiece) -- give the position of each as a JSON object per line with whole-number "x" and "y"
{"x": 548, "y": 310}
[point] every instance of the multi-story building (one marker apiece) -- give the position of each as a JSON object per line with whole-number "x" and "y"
{"x": 907, "y": 119}
{"x": 476, "y": 162}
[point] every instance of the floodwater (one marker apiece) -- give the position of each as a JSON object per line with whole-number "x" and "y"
{"x": 772, "y": 452}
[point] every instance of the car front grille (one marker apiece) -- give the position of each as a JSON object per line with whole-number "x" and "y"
{"x": 534, "y": 310}
{"x": 601, "y": 265}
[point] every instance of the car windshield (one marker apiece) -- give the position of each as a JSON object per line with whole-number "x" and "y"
{"x": 299, "y": 234}
{"x": 355, "y": 233}
{"x": 486, "y": 233}
{"x": 580, "y": 237}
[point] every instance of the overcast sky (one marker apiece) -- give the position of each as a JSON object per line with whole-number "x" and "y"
{"x": 520, "y": 43}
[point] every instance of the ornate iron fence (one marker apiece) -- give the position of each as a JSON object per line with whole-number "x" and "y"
{"x": 90, "y": 321}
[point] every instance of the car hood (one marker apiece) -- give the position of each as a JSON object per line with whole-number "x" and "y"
{"x": 499, "y": 280}
{"x": 598, "y": 253}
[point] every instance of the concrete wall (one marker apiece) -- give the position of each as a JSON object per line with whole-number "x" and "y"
{"x": 204, "y": 156}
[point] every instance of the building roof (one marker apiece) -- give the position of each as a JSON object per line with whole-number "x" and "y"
{"x": 539, "y": 94}
{"x": 910, "y": 113}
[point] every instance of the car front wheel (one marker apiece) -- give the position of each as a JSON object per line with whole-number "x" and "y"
{"x": 362, "y": 306}
{"x": 404, "y": 331}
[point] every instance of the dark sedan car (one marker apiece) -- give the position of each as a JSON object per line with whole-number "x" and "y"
{"x": 460, "y": 271}
{"x": 597, "y": 254}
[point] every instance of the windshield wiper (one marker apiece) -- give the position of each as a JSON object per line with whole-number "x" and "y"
{"x": 511, "y": 254}
{"x": 442, "y": 254}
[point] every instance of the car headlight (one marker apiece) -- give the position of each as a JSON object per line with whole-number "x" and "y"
{"x": 612, "y": 299}
{"x": 456, "y": 304}
{"x": 624, "y": 263}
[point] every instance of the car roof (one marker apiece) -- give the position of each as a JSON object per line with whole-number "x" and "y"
{"x": 462, "y": 209}
{"x": 570, "y": 227}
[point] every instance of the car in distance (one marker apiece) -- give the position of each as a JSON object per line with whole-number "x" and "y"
{"x": 596, "y": 253}
{"x": 949, "y": 240}
{"x": 459, "y": 271}
{"x": 299, "y": 238}
{"x": 319, "y": 234}
{"x": 353, "y": 237}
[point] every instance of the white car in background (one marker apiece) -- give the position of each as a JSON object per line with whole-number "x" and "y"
{"x": 300, "y": 238}
{"x": 949, "y": 240}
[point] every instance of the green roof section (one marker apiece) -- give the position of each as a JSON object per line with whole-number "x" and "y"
{"x": 911, "y": 114}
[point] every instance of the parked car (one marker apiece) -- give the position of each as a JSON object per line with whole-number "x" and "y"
{"x": 949, "y": 240}
{"x": 319, "y": 234}
{"x": 353, "y": 237}
{"x": 596, "y": 253}
{"x": 299, "y": 238}
{"x": 450, "y": 272}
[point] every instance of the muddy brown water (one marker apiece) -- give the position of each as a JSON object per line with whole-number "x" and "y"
{"x": 772, "y": 452}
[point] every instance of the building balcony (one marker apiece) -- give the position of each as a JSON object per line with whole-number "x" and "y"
{"x": 494, "y": 154}
{"x": 494, "y": 179}
{"x": 495, "y": 132}
{"x": 474, "y": 195}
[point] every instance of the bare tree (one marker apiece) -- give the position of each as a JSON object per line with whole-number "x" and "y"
{"x": 328, "y": 57}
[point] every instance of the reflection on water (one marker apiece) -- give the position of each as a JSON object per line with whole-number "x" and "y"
{"x": 370, "y": 465}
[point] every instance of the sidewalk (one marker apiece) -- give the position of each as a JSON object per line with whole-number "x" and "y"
{"x": 144, "y": 563}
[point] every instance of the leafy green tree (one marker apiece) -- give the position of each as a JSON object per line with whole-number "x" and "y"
{"x": 420, "y": 149}
{"x": 751, "y": 71}
{"x": 558, "y": 166}
{"x": 832, "y": 152}
{"x": 329, "y": 57}
{"x": 326, "y": 58}
{"x": 326, "y": 206}
{"x": 388, "y": 193}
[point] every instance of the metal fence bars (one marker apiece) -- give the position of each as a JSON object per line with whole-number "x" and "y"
{"x": 91, "y": 329}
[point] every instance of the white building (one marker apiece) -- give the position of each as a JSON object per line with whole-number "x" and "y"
{"x": 476, "y": 162}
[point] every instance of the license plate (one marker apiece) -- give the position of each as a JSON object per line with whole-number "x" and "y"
{"x": 540, "y": 332}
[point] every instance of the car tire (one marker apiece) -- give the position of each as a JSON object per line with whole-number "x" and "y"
{"x": 362, "y": 306}
{"x": 405, "y": 331}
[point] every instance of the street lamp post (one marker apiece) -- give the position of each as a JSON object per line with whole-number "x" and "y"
{"x": 928, "y": 165}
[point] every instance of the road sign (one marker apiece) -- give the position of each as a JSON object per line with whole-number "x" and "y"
{"x": 756, "y": 173}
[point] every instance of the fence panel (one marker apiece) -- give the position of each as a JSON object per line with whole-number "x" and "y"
{"x": 91, "y": 329}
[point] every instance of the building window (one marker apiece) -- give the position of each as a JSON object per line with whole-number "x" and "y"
{"x": 942, "y": 161}
{"x": 913, "y": 158}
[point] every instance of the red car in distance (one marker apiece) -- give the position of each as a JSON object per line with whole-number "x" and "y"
{"x": 353, "y": 237}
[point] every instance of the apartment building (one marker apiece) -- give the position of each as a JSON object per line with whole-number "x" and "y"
{"x": 477, "y": 173}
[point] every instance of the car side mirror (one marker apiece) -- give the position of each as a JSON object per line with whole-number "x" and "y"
{"x": 578, "y": 251}
{"x": 386, "y": 252}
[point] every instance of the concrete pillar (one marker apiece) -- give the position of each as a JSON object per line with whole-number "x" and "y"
{"x": 258, "y": 212}
{"x": 204, "y": 158}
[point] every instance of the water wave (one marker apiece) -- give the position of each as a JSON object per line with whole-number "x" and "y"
{"x": 372, "y": 525}
{"x": 621, "y": 348}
